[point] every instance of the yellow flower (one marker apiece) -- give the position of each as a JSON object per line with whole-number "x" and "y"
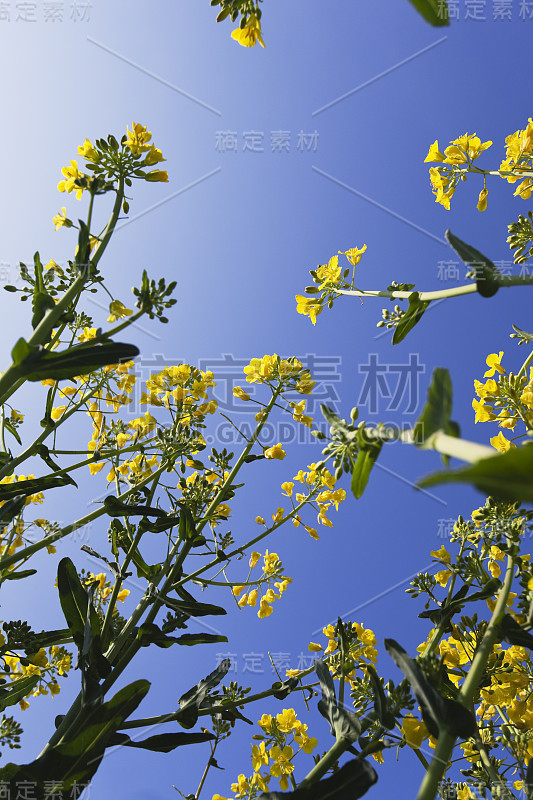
{"x": 265, "y": 722}
{"x": 264, "y": 609}
{"x": 157, "y": 175}
{"x": 58, "y": 412}
{"x": 482, "y": 200}
{"x": 501, "y": 443}
{"x": 260, "y": 521}
{"x": 414, "y": 731}
{"x": 154, "y": 156}
{"x": 117, "y": 310}
{"x": 276, "y": 451}
{"x": 61, "y": 219}
{"x": 314, "y": 647}
{"x": 354, "y": 254}
{"x": 259, "y": 756}
{"x": 442, "y": 555}
{"x": 308, "y": 306}
{"x": 443, "y": 577}
{"x": 493, "y": 361}
{"x": 240, "y": 393}
{"x": 250, "y": 33}
{"x": 87, "y": 151}
{"x": 138, "y": 138}
{"x": 329, "y": 273}
{"x": 434, "y": 153}
{"x": 483, "y": 413}
{"x": 287, "y": 487}
{"x": 71, "y": 174}
{"x": 287, "y": 720}
{"x": 252, "y": 598}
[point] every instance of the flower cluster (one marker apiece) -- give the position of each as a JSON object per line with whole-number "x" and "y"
{"x": 519, "y": 158}
{"x": 45, "y": 664}
{"x": 283, "y": 737}
{"x": 109, "y": 160}
{"x": 460, "y": 155}
{"x": 271, "y": 584}
{"x": 329, "y": 279}
{"x": 507, "y": 400}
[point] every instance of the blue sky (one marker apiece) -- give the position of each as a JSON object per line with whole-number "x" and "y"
{"x": 364, "y": 89}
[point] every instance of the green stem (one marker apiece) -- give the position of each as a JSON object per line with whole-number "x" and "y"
{"x": 327, "y": 761}
{"x": 440, "y": 294}
{"x": 446, "y": 741}
{"x": 11, "y": 379}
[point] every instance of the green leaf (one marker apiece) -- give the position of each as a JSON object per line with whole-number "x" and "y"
{"x": 42, "y": 302}
{"x": 9, "y": 491}
{"x": 22, "y": 350}
{"x": 434, "y": 11}
{"x": 116, "y": 508}
{"x": 162, "y": 742}
{"x": 487, "y": 283}
{"x": 192, "y": 608}
{"x": 75, "y": 761}
{"x": 350, "y": 782}
{"x": 343, "y": 723}
{"x": 412, "y": 317}
{"x": 438, "y": 408}
{"x": 187, "y": 528}
{"x": 78, "y": 360}
{"x": 283, "y": 688}
{"x": 17, "y": 690}
{"x": 190, "y": 639}
{"x": 190, "y": 702}
{"x": 366, "y": 458}
{"x": 513, "y": 633}
{"x": 17, "y": 576}
{"x": 12, "y": 508}
{"x": 12, "y": 430}
{"x": 82, "y": 620}
{"x": 507, "y": 476}
{"x": 437, "y": 712}
{"x": 43, "y": 451}
{"x": 386, "y": 718}
{"x": 150, "y": 633}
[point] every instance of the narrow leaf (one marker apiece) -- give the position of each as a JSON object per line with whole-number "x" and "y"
{"x": 487, "y": 283}
{"x": 366, "y": 458}
{"x": 507, "y": 476}
{"x": 412, "y": 317}
{"x": 434, "y": 11}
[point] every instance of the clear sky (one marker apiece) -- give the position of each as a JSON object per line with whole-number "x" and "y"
{"x": 277, "y": 159}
